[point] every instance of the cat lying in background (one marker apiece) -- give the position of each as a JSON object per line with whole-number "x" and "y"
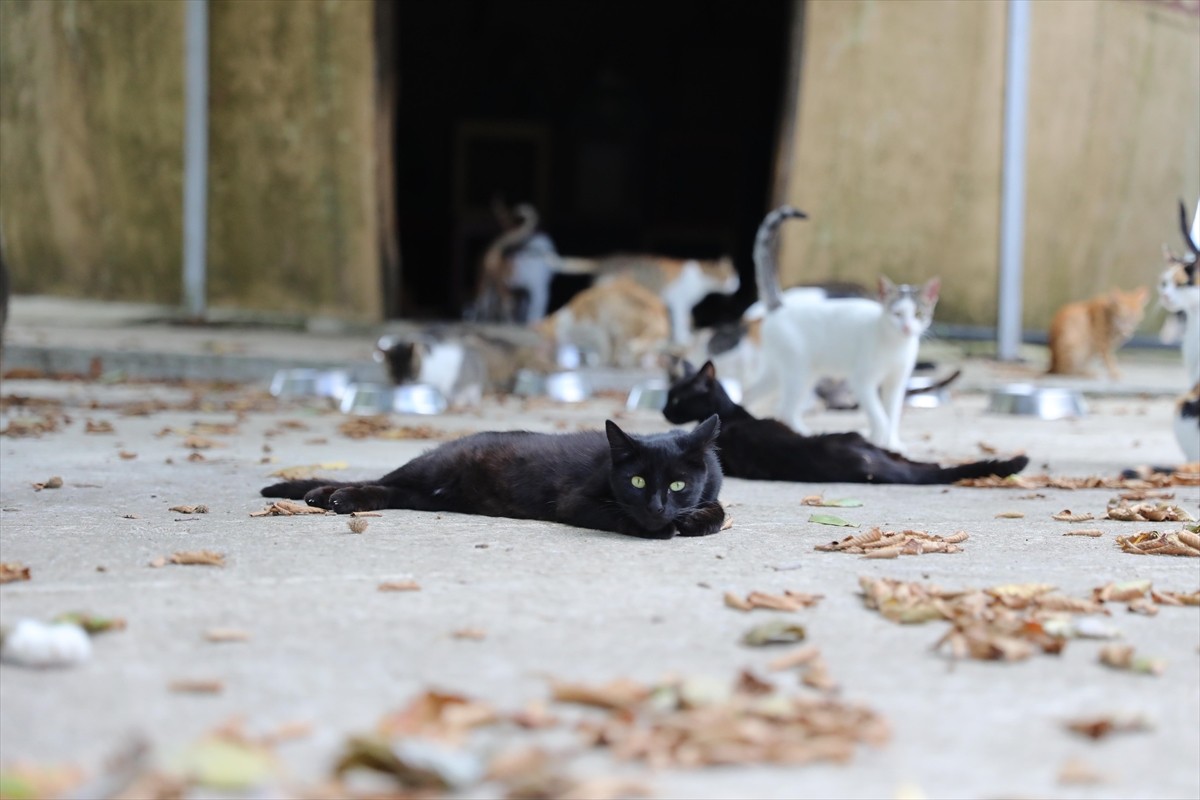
{"x": 1085, "y": 329}
{"x": 462, "y": 365}
{"x": 873, "y": 345}
{"x": 516, "y": 270}
{"x": 617, "y": 322}
{"x": 652, "y": 487}
{"x": 679, "y": 283}
{"x": 1179, "y": 291}
{"x": 766, "y": 449}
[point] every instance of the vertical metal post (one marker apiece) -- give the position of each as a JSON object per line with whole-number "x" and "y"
{"x": 195, "y": 158}
{"x": 1012, "y": 200}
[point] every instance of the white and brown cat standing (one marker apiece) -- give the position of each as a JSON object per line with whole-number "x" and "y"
{"x": 613, "y": 323}
{"x": 680, "y": 283}
{"x": 871, "y": 344}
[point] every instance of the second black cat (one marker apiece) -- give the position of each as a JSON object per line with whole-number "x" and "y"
{"x": 653, "y": 486}
{"x": 766, "y": 449}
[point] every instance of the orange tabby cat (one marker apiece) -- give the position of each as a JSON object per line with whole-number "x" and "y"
{"x": 617, "y": 322}
{"x": 1082, "y": 330}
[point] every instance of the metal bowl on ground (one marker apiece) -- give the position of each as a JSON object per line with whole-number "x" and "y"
{"x": 367, "y": 398}
{"x": 309, "y": 383}
{"x": 418, "y": 398}
{"x": 649, "y": 394}
{"x": 529, "y": 383}
{"x": 568, "y": 387}
{"x": 926, "y": 399}
{"x": 1044, "y": 402}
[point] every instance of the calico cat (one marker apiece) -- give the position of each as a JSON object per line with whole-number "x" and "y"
{"x": 679, "y": 283}
{"x": 1179, "y": 291}
{"x": 653, "y": 487}
{"x": 517, "y": 266}
{"x": 617, "y": 322}
{"x": 871, "y": 344}
{"x": 766, "y": 449}
{"x": 462, "y": 364}
{"x": 1187, "y": 424}
{"x": 1082, "y": 330}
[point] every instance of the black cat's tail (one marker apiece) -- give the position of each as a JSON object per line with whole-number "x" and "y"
{"x": 1001, "y": 468}
{"x": 295, "y": 490}
{"x": 765, "y": 271}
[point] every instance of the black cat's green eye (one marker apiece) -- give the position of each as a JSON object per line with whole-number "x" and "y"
{"x": 677, "y": 486}
{"x": 638, "y": 482}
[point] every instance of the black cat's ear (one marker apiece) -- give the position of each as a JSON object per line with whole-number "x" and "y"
{"x": 621, "y": 443}
{"x": 709, "y": 371}
{"x": 705, "y": 433}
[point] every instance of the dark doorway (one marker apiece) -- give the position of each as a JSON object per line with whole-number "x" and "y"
{"x": 631, "y": 126}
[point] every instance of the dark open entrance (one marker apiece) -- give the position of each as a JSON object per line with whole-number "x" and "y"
{"x": 631, "y": 126}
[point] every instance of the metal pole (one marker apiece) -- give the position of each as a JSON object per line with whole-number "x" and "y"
{"x": 195, "y": 158}
{"x": 1012, "y": 200}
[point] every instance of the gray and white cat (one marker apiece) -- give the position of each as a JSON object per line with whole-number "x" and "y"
{"x": 873, "y": 345}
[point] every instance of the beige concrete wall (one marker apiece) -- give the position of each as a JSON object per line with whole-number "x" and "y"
{"x": 292, "y": 181}
{"x": 91, "y": 104}
{"x": 91, "y": 152}
{"x": 897, "y": 151}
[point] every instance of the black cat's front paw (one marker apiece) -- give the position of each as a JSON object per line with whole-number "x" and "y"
{"x": 633, "y": 529}
{"x": 703, "y": 521}
{"x": 319, "y": 497}
{"x": 349, "y": 499}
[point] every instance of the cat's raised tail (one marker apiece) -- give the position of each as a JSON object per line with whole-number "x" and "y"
{"x": 766, "y": 272}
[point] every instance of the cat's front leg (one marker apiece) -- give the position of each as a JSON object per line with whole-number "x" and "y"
{"x": 348, "y": 499}
{"x": 704, "y": 520}
{"x": 1110, "y": 364}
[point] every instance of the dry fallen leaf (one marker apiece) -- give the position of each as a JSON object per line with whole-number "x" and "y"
{"x": 226, "y": 635}
{"x": 399, "y": 586}
{"x": 197, "y": 686}
{"x": 1146, "y": 512}
{"x": 1011, "y": 515}
{"x": 55, "y": 482}
{"x": 1093, "y": 532}
{"x": 474, "y": 634}
{"x": 201, "y": 509}
{"x": 204, "y": 558}
{"x": 1067, "y": 515}
{"x": 1122, "y": 656}
{"x": 777, "y": 631}
{"x": 11, "y": 571}
{"x": 101, "y": 426}
{"x": 1102, "y": 726}
{"x": 1077, "y": 772}
{"x": 619, "y": 693}
{"x": 287, "y": 508}
{"x": 796, "y": 658}
{"x": 126, "y": 455}
{"x": 788, "y": 601}
{"x": 1121, "y": 592}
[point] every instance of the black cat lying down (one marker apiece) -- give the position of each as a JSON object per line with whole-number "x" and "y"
{"x": 766, "y": 449}
{"x": 649, "y": 486}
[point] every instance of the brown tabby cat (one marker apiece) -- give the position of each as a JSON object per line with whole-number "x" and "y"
{"x": 617, "y": 322}
{"x": 1082, "y": 330}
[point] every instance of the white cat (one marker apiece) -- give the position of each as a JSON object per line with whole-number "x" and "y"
{"x": 871, "y": 344}
{"x": 1179, "y": 290}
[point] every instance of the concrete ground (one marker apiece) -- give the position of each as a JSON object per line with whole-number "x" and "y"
{"x": 327, "y": 648}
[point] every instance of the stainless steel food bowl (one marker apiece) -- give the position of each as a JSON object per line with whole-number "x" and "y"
{"x": 418, "y": 398}
{"x": 930, "y": 399}
{"x": 568, "y": 387}
{"x": 649, "y": 394}
{"x": 367, "y": 398}
{"x": 310, "y": 383}
{"x": 1045, "y": 402}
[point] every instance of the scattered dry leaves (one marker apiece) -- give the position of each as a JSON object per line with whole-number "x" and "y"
{"x": 287, "y": 508}
{"x": 382, "y": 427}
{"x": 877, "y": 543}
{"x": 1011, "y": 515}
{"x": 1161, "y": 543}
{"x": 788, "y": 601}
{"x": 1186, "y": 475}
{"x": 11, "y": 571}
{"x": 1147, "y": 512}
{"x": 472, "y": 634}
